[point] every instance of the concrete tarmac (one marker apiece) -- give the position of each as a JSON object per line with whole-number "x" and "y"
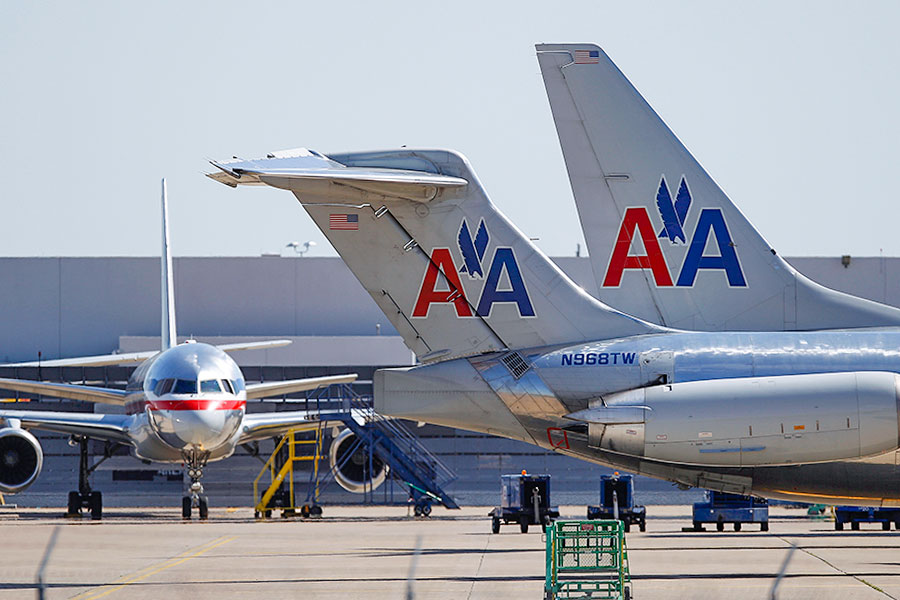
{"x": 369, "y": 552}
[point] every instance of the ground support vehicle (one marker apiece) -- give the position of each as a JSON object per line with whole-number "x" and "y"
{"x": 586, "y": 559}
{"x": 617, "y": 502}
{"x": 721, "y": 508}
{"x": 865, "y": 514}
{"x": 524, "y": 499}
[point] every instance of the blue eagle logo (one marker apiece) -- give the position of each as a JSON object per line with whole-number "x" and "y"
{"x": 673, "y": 213}
{"x": 472, "y": 249}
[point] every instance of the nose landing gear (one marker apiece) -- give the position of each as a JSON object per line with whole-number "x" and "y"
{"x": 194, "y": 462}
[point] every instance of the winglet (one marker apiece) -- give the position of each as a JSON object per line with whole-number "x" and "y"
{"x": 167, "y": 284}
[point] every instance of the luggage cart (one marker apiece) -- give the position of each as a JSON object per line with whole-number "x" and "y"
{"x": 865, "y": 514}
{"x": 524, "y": 499}
{"x": 721, "y": 508}
{"x": 586, "y": 559}
{"x": 617, "y": 502}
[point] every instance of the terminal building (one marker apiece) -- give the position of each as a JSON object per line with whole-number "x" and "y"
{"x": 65, "y": 307}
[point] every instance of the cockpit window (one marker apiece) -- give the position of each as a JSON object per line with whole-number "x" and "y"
{"x": 226, "y": 385}
{"x": 210, "y": 385}
{"x": 185, "y": 386}
{"x": 238, "y": 385}
{"x": 163, "y": 386}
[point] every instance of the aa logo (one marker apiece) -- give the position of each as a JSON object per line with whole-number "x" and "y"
{"x": 498, "y": 280}
{"x": 674, "y": 215}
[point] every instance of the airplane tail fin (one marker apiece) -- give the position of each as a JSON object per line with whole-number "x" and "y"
{"x": 452, "y": 274}
{"x": 664, "y": 240}
{"x": 167, "y": 285}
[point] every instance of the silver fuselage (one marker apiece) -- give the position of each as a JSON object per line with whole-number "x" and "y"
{"x": 169, "y": 419}
{"x": 485, "y": 394}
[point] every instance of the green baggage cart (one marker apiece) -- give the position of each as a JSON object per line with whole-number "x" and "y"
{"x": 586, "y": 559}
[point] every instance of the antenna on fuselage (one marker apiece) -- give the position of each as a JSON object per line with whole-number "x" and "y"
{"x": 167, "y": 289}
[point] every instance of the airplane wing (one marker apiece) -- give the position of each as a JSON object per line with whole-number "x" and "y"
{"x": 279, "y": 388}
{"x": 136, "y": 357}
{"x": 260, "y": 426}
{"x": 97, "y": 426}
{"x": 66, "y": 390}
{"x": 306, "y": 169}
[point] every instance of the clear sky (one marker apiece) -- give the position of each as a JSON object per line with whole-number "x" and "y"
{"x": 791, "y": 106}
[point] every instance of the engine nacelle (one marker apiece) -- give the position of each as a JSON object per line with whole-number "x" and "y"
{"x": 757, "y": 421}
{"x": 350, "y": 463}
{"x": 21, "y": 459}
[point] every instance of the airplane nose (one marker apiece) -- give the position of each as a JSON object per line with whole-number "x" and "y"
{"x": 205, "y": 429}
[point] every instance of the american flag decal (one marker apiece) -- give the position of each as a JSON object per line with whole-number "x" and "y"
{"x": 343, "y": 222}
{"x": 587, "y": 57}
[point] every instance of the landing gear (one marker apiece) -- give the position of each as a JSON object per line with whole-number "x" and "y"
{"x": 85, "y": 497}
{"x": 194, "y": 461}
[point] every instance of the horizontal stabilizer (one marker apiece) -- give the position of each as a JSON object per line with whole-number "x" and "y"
{"x": 316, "y": 173}
{"x": 454, "y": 276}
{"x": 136, "y": 357}
{"x": 280, "y": 388}
{"x": 66, "y": 390}
{"x": 611, "y": 415}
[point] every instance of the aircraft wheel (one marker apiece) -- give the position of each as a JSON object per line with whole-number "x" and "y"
{"x": 203, "y": 509}
{"x": 523, "y": 524}
{"x": 495, "y": 525}
{"x": 426, "y": 510}
{"x": 305, "y": 511}
{"x": 315, "y": 510}
{"x": 186, "y": 507}
{"x": 417, "y": 510}
{"x": 74, "y": 505}
{"x": 96, "y": 504}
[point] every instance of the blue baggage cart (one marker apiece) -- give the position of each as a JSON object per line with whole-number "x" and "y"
{"x": 524, "y": 499}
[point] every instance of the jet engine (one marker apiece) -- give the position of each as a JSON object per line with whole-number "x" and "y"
{"x": 350, "y": 463}
{"x": 754, "y": 421}
{"x": 21, "y": 459}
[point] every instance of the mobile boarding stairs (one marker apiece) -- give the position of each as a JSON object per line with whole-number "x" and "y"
{"x": 378, "y": 440}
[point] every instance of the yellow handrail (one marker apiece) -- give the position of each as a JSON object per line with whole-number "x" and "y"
{"x": 287, "y": 469}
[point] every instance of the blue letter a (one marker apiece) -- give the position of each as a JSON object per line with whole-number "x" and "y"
{"x": 711, "y": 219}
{"x": 503, "y": 257}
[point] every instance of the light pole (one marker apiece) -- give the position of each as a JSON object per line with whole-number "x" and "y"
{"x": 297, "y": 247}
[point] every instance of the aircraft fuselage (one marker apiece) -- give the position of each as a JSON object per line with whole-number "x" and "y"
{"x": 190, "y": 397}
{"x": 785, "y": 404}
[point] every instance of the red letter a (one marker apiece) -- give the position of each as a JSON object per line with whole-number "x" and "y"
{"x": 441, "y": 262}
{"x": 636, "y": 218}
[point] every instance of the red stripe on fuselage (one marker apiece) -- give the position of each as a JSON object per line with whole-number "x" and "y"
{"x": 196, "y": 404}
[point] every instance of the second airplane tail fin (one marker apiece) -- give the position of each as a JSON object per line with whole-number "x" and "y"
{"x": 453, "y": 275}
{"x": 665, "y": 241}
{"x": 167, "y": 280}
